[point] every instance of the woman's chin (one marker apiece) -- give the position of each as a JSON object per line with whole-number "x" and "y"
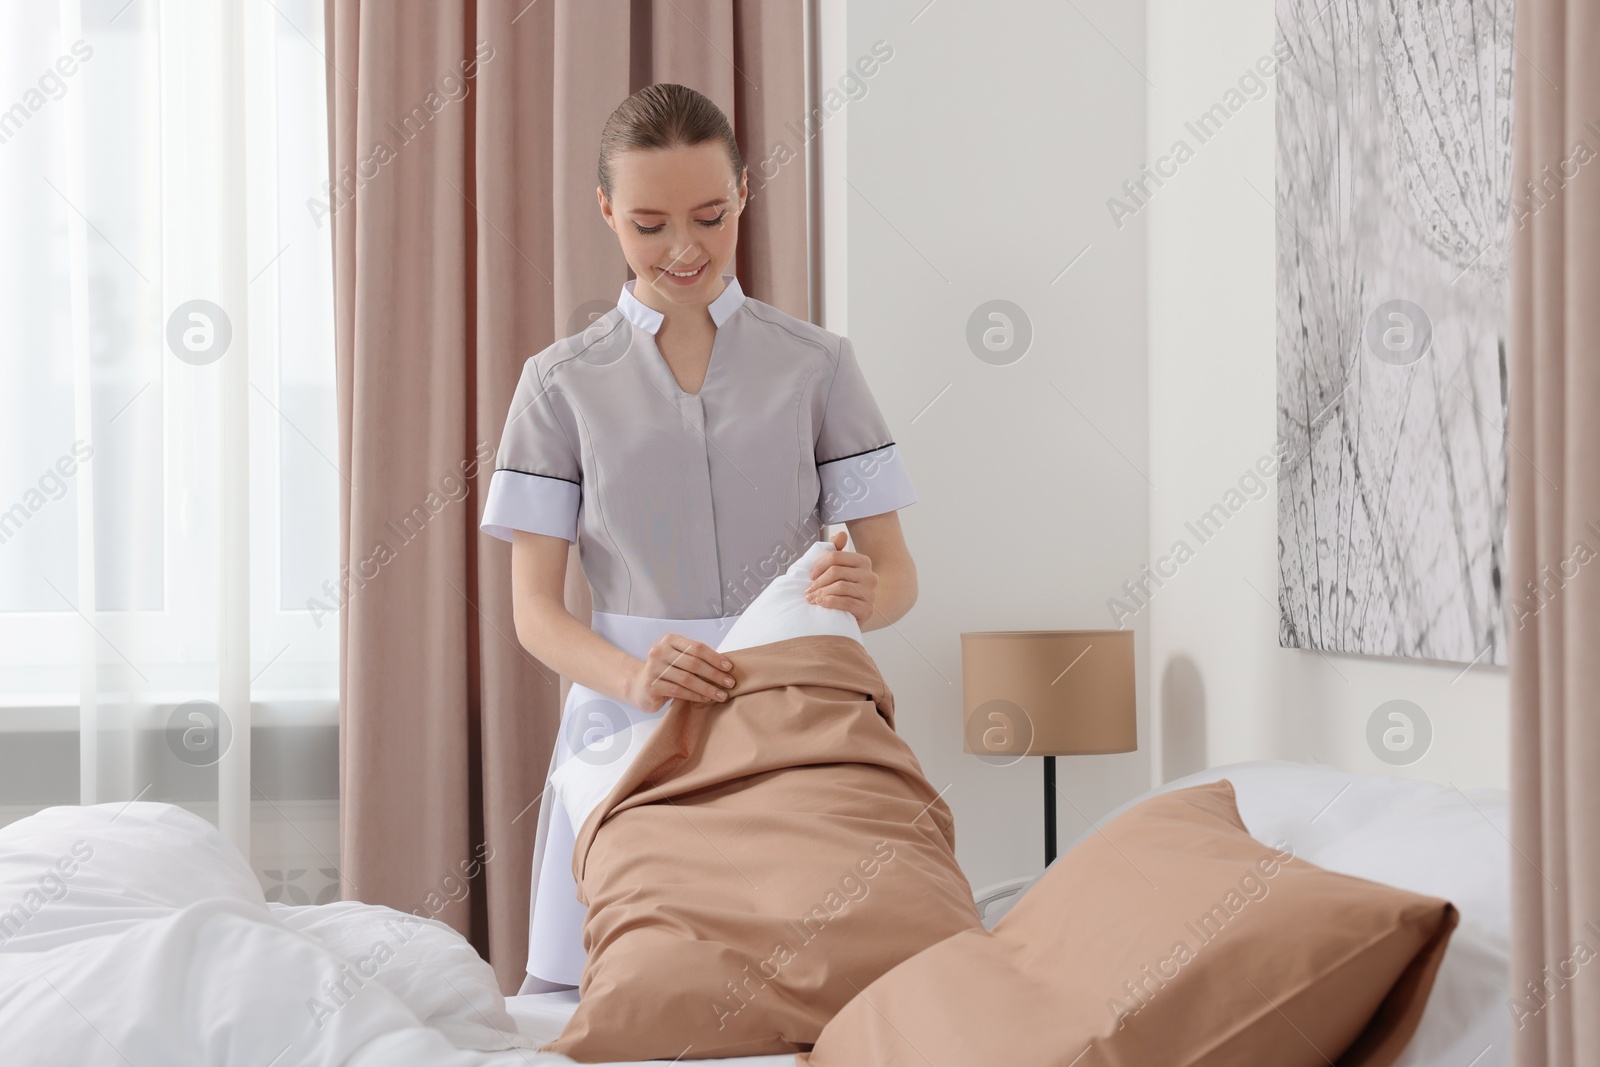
{"x": 691, "y": 294}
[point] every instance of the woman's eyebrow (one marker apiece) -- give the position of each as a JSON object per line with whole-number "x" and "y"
{"x": 697, "y": 207}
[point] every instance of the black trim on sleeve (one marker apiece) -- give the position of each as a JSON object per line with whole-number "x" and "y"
{"x": 536, "y": 474}
{"x": 853, "y": 455}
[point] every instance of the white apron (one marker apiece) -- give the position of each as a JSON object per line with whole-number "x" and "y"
{"x": 555, "y": 915}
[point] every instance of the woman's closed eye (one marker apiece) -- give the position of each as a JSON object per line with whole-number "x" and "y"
{"x": 704, "y": 222}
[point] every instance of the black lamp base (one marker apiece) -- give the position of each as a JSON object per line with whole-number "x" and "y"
{"x": 1049, "y": 810}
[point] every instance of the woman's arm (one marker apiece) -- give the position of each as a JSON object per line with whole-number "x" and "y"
{"x": 880, "y": 539}
{"x": 548, "y": 630}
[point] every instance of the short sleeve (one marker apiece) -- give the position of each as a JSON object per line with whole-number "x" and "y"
{"x": 537, "y": 477}
{"x": 858, "y": 465}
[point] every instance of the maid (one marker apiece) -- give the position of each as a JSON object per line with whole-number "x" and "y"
{"x": 693, "y": 441}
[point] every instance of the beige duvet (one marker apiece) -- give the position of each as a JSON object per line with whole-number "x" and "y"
{"x": 761, "y": 861}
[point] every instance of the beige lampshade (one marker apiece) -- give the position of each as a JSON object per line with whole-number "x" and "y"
{"x": 1048, "y": 692}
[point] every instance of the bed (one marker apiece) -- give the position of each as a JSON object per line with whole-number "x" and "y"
{"x": 1420, "y": 835}
{"x": 153, "y": 941}
{"x": 134, "y": 933}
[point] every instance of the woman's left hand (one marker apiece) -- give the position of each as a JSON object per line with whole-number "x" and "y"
{"x": 841, "y": 579}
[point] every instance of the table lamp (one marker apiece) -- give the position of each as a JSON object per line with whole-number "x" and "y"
{"x": 1048, "y": 693}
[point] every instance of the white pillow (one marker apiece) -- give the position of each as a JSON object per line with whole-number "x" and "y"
{"x": 426, "y": 963}
{"x": 780, "y": 612}
{"x": 75, "y": 871}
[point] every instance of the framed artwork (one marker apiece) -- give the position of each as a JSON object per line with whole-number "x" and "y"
{"x": 1394, "y": 205}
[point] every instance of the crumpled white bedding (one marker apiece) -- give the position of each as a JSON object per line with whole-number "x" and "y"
{"x": 135, "y": 933}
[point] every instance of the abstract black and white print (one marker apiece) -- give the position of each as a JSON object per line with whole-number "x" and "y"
{"x": 1393, "y": 196}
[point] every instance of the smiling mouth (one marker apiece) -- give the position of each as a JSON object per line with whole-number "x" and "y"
{"x": 683, "y": 274}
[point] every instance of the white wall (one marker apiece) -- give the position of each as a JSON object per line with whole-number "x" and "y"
{"x": 1224, "y": 689}
{"x": 976, "y": 167}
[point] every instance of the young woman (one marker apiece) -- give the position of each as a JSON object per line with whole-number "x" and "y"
{"x": 693, "y": 442}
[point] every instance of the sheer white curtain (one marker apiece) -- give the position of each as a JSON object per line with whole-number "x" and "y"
{"x": 168, "y": 493}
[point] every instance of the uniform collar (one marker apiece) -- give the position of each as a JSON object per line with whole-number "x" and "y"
{"x": 649, "y": 319}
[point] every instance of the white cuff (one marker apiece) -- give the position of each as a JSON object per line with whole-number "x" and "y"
{"x": 532, "y": 502}
{"x": 869, "y": 484}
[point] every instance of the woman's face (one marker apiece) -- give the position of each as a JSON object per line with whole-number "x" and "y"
{"x": 676, "y": 210}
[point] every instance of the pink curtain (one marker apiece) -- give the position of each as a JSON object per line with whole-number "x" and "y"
{"x": 464, "y": 138}
{"x": 1554, "y": 496}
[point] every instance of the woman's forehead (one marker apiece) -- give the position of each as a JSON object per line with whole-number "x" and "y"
{"x": 672, "y": 180}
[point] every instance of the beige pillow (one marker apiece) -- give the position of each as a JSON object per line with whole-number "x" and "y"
{"x": 1171, "y": 937}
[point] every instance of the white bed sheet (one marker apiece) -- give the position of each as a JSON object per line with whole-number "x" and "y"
{"x": 541, "y": 1016}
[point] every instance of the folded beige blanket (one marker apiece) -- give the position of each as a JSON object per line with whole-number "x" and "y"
{"x": 760, "y": 862}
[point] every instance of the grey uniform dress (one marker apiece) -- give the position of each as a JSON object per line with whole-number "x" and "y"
{"x": 683, "y": 505}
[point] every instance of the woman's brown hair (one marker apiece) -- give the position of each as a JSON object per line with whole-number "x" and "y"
{"x": 665, "y": 115}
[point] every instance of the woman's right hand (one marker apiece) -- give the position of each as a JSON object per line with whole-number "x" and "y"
{"x": 677, "y": 666}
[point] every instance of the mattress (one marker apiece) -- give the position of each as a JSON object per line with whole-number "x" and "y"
{"x": 540, "y": 1017}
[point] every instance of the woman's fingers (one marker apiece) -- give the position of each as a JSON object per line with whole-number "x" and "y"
{"x": 705, "y": 661}
{"x": 839, "y": 589}
{"x": 693, "y": 675}
{"x": 846, "y": 598}
{"x": 840, "y": 558}
{"x": 667, "y": 683}
{"x": 692, "y": 670}
{"x": 703, "y": 689}
{"x": 700, "y": 658}
{"x": 835, "y": 575}
{"x": 712, "y": 656}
